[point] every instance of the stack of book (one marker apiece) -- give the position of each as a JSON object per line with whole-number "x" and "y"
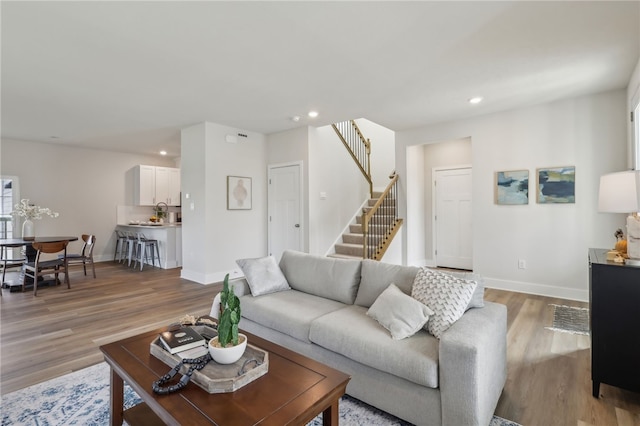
{"x": 183, "y": 339}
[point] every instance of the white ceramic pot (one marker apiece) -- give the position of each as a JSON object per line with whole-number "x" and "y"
{"x": 227, "y": 355}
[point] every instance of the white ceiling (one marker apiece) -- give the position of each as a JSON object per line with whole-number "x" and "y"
{"x": 128, "y": 76}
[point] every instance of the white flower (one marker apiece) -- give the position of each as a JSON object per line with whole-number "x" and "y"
{"x": 30, "y": 211}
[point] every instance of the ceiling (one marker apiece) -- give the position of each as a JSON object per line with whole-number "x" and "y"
{"x": 127, "y": 76}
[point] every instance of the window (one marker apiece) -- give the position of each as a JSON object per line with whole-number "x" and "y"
{"x": 8, "y": 197}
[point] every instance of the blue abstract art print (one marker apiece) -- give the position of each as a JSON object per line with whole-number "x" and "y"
{"x": 557, "y": 185}
{"x": 512, "y": 187}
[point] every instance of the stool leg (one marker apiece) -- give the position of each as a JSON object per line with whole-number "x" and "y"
{"x": 115, "y": 252}
{"x": 158, "y": 253}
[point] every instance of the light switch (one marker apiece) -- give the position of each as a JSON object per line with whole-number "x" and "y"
{"x": 192, "y": 206}
{"x": 323, "y": 195}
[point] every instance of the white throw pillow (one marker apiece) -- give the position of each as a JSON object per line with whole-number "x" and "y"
{"x": 399, "y": 313}
{"x": 263, "y": 275}
{"x": 446, "y": 295}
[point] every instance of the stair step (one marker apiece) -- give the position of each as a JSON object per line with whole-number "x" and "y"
{"x": 388, "y": 201}
{"x": 350, "y": 238}
{"x": 373, "y": 229}
{"x": 388, "y": 217}
{"x": 349, "y": 249}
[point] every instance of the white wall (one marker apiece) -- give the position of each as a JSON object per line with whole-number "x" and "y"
{"x": 83, "y": 185}
{"x": 214, "y": 237}
{"x": 588, "y": 133}
{"x": 333, "y": 172}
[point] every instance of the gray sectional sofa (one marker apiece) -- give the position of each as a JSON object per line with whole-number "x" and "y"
{"x": 321, "y": 312}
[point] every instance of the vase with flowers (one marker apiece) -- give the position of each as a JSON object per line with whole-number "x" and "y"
{"x": 30, "y": 212}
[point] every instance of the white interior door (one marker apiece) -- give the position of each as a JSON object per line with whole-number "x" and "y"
{"x": 454, "y": 233}
{"x": 285, "y": 209}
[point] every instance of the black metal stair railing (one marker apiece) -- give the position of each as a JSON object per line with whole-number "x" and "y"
{"x": 380, "y": 223}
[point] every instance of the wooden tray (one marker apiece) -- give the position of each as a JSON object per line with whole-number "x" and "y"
{"x": 219, "y": 378}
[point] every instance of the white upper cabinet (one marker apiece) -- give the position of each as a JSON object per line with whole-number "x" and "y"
{"x": 154, "y": 185}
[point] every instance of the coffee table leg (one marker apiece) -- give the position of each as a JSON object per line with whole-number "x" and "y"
{"x": 330, "y": 416}
{"x": 117, "y": 398}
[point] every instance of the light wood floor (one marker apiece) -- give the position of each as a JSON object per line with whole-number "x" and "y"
{"x": 59, "y": 331}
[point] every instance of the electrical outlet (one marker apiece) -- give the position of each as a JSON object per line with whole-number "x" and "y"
{"x": 522, "y": 264}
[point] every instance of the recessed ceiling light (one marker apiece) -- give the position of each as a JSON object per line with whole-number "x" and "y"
{"x": 475, "y": 100}
{"x": 295, "y": 118}
{"x": 163, "y": 152}
{"x": 313, "y": 114}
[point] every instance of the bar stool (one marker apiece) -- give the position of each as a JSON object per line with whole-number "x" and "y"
{"x": 121, "y": 245}
{"x": 142, "y": 245}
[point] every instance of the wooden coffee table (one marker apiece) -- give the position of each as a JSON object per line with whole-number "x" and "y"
{"x": 293, "y": 392}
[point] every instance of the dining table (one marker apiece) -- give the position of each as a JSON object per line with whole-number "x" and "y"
{"x": 30, "y": 253}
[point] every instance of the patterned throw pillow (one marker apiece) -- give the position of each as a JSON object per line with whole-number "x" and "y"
{"x": 446, "y": 295}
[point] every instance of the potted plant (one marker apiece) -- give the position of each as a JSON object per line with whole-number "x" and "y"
{"x": 229, "y": 345}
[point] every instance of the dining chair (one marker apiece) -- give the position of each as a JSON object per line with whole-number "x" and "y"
{"x": 8, "y": 260}
{"x": 42, "y": 266}
{"x": 85, "y": 256}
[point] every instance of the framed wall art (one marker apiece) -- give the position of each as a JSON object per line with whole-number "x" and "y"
{"x": 556, "y": 185}
{"x": 238, "y": 193}
{"x": 512, "y": 187}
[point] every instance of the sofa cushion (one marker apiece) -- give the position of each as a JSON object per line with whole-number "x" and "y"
{"x": 290, "y": 312}
{"x": 263, "y": 275}
{"x": 365, "y": 341}
{"x": 446, "y": 295}
{"x": 477, "y": 300}
{"x": 335, "y": 279}
{"x": 376, "y": 277}
{"x": 399, "y": 313}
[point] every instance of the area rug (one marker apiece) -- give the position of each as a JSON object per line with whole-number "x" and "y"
{"x": 82, "y": 398}
{"x": 568, "y": 319}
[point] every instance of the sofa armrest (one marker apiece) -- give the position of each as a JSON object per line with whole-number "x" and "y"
{"x": 240, "y": 288}
{"x": 473, "y": 366}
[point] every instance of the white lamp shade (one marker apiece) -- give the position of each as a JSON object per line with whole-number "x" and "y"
{"x": 620, "y": 192}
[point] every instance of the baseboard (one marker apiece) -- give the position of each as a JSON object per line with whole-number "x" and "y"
{"x": 538, "y": 289}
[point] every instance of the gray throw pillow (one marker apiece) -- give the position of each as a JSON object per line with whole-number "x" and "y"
{"x": 399, "y": 313}
{"x": 263, "y": 275}
{"x": 446, "y": 295}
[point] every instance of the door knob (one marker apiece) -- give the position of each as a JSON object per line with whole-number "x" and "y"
{"x": 297, "y": 225}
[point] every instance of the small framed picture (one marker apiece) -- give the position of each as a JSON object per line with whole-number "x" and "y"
{"x": 512, "y": 187}
{"x": 557, "y": 185}
{"x": 238, "y": 193}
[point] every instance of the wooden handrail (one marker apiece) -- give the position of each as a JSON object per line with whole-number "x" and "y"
{"x": 359, "y": 147}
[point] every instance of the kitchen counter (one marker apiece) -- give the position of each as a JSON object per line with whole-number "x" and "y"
{"x": 169, "y": 236}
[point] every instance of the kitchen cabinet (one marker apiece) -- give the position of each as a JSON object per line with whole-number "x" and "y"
{"x": 153, "y": 185}
{"x": 168, "y": 185}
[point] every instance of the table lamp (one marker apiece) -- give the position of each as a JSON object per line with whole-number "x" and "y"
{"x": 620, "y": 193}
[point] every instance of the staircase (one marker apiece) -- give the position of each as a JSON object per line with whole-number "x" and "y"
{"x": 352, "y": 246}
{"x": 374, "y": 229}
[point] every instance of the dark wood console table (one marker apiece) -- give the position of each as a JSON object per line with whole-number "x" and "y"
{"x": 614, "y": 301}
